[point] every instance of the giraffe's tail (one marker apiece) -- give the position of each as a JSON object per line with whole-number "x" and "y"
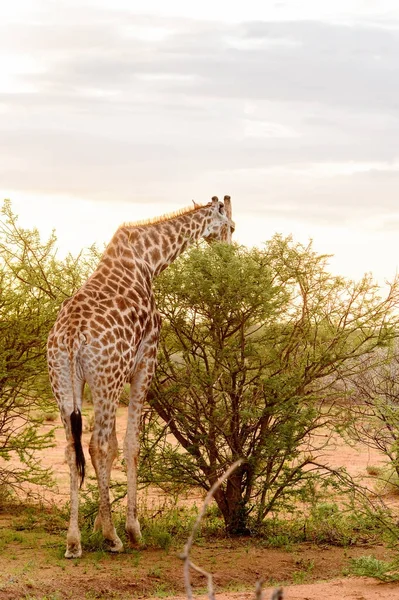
{"x": 76, "y": 415}
{"x": 76, "y": 429}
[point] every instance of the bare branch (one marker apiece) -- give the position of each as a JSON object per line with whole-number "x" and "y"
{"x": 185, "y": 556}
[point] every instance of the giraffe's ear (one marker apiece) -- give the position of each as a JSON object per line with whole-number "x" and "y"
{"x": 227, "y": 206}
{"x": 195, "y": 204}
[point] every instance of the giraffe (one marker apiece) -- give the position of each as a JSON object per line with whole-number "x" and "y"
{"x": 106, "y": 335}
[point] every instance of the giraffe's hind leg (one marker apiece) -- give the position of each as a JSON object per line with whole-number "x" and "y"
{"x": 112, "y": 454}
{"x": 59, "y": 371}
{"x": 103, "y": 449}
{"x": 74, "y": 548}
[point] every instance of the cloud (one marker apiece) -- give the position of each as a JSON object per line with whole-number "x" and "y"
{"x": 150, "y": 107}
{"x": 354, "y": 68}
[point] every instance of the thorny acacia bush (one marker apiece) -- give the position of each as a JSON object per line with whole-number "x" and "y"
{"x": 251, "y": 345}
{"x": 33, "y": 284}
{"x": 373, "y": 394}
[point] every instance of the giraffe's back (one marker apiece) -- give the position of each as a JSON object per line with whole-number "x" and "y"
{"x": 111, "y": 325}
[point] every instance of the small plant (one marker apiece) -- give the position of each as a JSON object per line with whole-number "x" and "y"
{"x": 330, "y": 524}
{"x": 388, "y": 481}
{"x": 373, "y": 470}
{"x": 369, "y": 566}
{"x": 92, "y": 541}
{"x": 162, "y": 590}
{"x": 51, "y": 416}
{"x": 51, "y": 520}
{"x": 11, "y": 536}
{"x": 280, "y": 541}
{"x": 304, "y": 573}
{"x": 236, "y": 586}
{"x": 6, "y": 495}
{"x": 155, "y": 571}
{"x": 174, "y": 520}
{"x": 157, "y": 538}
{"x": 325, "y": 523}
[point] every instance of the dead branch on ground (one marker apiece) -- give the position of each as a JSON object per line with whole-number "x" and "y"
{"x": 185, "y": 555}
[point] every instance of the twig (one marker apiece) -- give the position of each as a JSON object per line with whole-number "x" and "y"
{"x": 185, "y": 556}
{"x": 277, "y": 594}
{"x": 258, "y": 589}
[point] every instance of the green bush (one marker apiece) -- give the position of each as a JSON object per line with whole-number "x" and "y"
{"x": 252, "y": 343}
{"x": 33, "y": 284}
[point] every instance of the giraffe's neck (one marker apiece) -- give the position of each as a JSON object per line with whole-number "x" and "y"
{"x": 159, "y": 244}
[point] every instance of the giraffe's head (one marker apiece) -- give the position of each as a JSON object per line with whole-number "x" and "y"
{"x": 221, "y": 226}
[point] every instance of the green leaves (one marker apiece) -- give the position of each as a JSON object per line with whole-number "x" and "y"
{"x": 252, "y": 344}
{"x": 33, "y": 283}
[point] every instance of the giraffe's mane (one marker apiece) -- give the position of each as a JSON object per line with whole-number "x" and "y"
{"x": 167, "y": 217}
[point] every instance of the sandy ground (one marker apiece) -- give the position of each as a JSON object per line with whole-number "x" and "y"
{"x": 348, "y": 589}
{"x": 256, "y": 564}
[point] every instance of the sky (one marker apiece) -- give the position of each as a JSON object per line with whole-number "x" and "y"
{"x": 119, "y": 110}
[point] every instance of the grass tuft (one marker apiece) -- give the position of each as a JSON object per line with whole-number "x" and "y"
{"x": 369, "y": 566}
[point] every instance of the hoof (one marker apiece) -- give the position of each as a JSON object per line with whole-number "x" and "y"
{"x": 134, "y": 534}
{"x": 73, "y": 551}
{"x": 115, "y": 545}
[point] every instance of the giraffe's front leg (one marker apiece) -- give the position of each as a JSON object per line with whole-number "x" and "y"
{"x": 102, "y": 448}
{"x": 138, "y": 391}
{"x": 131, "y": 451}
{"x": 112, "y": 454}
